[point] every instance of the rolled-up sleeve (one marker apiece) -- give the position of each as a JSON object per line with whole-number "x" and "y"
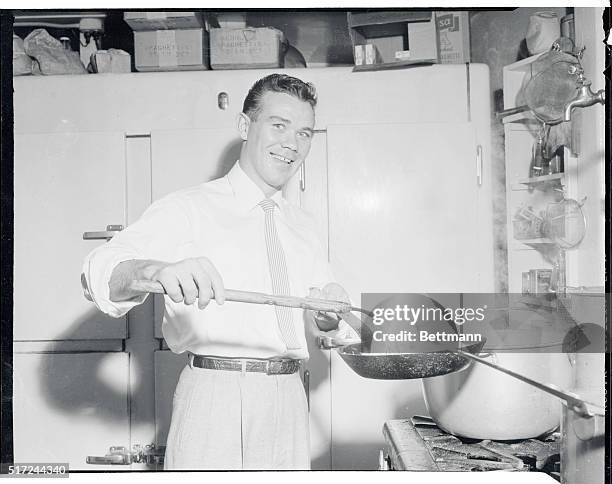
{"x": 158, "y": 233}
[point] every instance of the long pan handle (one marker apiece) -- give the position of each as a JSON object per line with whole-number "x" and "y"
{"x": 509, "y": 112}
{"x": 575, "y": 402}
{"x": 311, "y": 303}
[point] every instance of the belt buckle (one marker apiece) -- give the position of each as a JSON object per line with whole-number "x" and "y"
{"x": 270, "y": 369}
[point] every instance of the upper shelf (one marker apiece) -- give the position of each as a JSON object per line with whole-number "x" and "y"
{"x": 58, "y": 19}
{"x": 526, "y": 244}
{"x": 394, "y": 65}
{"x": 536, "y": 181}
{"x": 526, "y": 117}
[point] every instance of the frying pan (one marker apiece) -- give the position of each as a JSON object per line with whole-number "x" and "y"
{"x": 396, "y": 366}
{"x": 406, "y": 366}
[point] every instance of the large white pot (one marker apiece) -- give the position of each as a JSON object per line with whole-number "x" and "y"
{"x": 483, "y": 403}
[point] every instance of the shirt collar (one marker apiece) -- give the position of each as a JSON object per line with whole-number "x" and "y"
{"x": 246, "y": 192}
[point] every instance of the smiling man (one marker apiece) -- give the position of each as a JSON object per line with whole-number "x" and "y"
{"x": 239, "y": 403}
{"x": 278, "y": 128}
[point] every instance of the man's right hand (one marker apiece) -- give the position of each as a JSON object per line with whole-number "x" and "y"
{"x": 189, "y": 280}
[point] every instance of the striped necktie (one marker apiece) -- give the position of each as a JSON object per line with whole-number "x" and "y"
{"x": 278, "y": 274}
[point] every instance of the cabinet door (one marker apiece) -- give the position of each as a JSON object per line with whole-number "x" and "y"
{"x": 70, "y": 380}
{"x": 403, "y": 207}
{"x": 168, "y": 367}
{"x": 65, "y": 184}
{"x": 403, "y": 217}
{"x": 67, "y": 406}
{"x": 187, "y": 157}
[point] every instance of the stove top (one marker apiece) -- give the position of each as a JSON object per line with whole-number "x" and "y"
{"x": 418, "y": 444}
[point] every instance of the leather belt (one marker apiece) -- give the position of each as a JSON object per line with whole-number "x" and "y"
{"x": 270, "y": 367}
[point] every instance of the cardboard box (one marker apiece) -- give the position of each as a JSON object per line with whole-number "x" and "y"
{"x": 423, "y": 41}
{"x": 453, "y": 37}
{"x": 142, "y": 21}
{"x": 171, "y": 50}
{"x": 399, "y": 38}
{"x": 366, "y": 55}
{"x": 112, "y": 60}
{"x": 232, "y": 20}
{"x": 250, "y": 48}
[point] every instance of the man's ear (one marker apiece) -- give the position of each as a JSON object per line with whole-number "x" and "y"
{"x": 243, "y": 125}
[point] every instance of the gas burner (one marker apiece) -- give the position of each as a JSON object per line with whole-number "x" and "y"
{"x": 419, "y": 444}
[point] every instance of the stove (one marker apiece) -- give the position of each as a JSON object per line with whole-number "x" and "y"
{"x": 418, "y": 444}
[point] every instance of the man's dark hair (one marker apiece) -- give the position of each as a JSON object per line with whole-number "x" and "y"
{"x": 283, "y": 83}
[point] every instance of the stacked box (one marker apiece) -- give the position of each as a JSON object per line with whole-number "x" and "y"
{"x": 171, "y": 50}
{"x": 248, "y": 48}
{"x": 454, "y": 37}
{"x": 140, "y": 21}
{"x": 394, "y": 38}
{"x": 169, "y": 41}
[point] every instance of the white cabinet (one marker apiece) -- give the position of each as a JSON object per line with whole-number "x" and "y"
{"x": 403, "y": 218}
{"x": 70, "y": 380}
{"x": 65, "y": 184}
{"x": 405, "y": 201}
{"x": 168, "y": 367}
{"x": 403, "y": 207}
{"x": 187, "y": 157}
{"x": 67, "y": 406}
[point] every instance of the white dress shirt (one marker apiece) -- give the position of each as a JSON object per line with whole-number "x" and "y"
{"x": 222, "y": 221}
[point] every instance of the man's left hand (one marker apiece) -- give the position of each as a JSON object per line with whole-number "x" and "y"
{"x": 333, "y": 291}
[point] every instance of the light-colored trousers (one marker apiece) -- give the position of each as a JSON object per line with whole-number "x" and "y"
{"x": 234, "y": 420}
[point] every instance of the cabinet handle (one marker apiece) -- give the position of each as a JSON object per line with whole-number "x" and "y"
{"x": 107, "y": 460}
{"x": 479, "y": 165}
{"x": 116, "y": 456}
{"x": 302, "y": 177}
{"x": 223, "y": 100}
{"x": 120, "y": 455}
{"x": 107, "y": 234}
{"x": 307, "y": 386}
